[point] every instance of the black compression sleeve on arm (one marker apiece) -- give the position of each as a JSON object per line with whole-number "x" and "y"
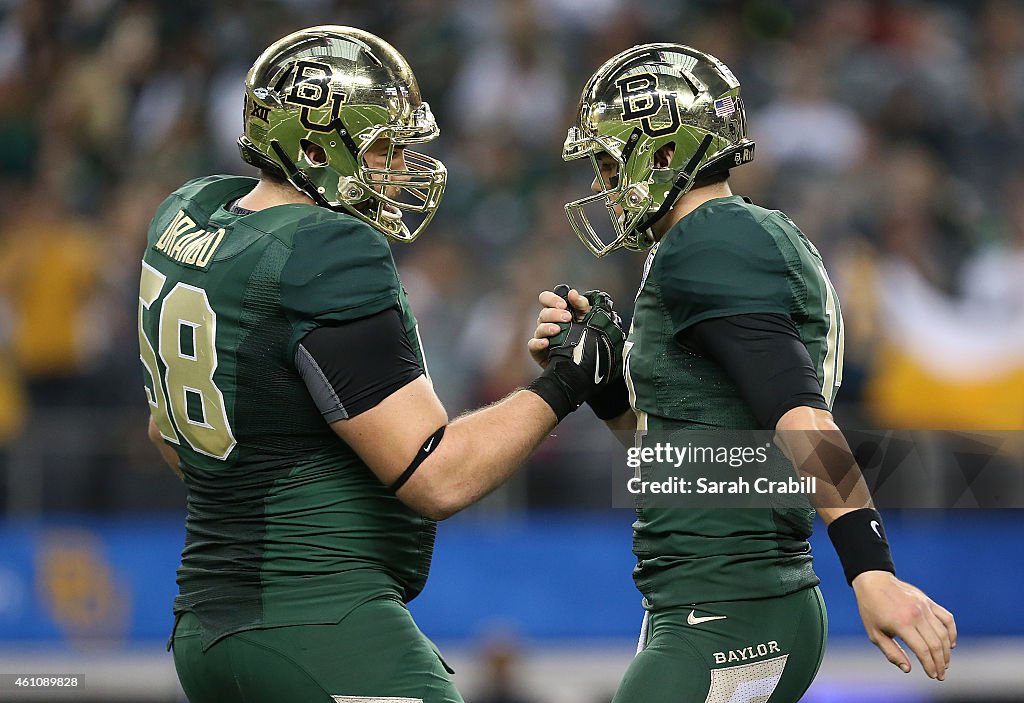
{"x": 351, "y": 366}
{"x": 764, "y": 356}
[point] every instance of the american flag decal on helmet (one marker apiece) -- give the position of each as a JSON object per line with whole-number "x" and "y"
{"x": 725, "y": 106}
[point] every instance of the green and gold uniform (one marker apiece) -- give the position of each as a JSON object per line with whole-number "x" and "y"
{"x": 291, "y": 541}
{"x": 750, "y": 565}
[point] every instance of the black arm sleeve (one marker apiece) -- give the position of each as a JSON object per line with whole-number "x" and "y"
{"x": 351, "y": 366}
{"x": 764, "y": 356}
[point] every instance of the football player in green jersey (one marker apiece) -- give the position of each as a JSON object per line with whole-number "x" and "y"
{"x": 287, "y": 385}
{"x": 736, "y": 327}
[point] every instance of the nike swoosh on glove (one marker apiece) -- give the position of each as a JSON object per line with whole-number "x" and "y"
{"x": 612, "y": 399}
{"x": 580, "y": 362}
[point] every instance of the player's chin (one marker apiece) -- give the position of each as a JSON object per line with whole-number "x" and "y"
{"x": 390, "y": 212}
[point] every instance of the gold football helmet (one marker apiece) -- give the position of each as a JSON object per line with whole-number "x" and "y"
{"x": 638, "y": 101}
{"x": 343, "y": 89}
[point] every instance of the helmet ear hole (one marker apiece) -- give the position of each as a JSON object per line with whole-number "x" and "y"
{"x": 315, "y": 153}
{"x": 663, "y": 156}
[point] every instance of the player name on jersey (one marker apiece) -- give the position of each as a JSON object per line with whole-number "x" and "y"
{"x": 187, "y": 243}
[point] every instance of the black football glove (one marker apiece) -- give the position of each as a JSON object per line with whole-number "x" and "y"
{"x": 611, "y": 400}
{"x": 581, "y": 360}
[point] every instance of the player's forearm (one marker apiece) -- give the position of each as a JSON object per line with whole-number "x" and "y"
{"x": 171, "y": 458}
{"x": 814, "y": 443}
{"x": 482, "y": 449}
{"x": 168, "y": 454}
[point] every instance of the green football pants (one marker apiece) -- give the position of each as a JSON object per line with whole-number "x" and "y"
{"x": 756, "y": 651}
{"x": 375, "y": 655}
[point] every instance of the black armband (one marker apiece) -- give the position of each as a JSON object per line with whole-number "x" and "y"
{"x": 612, "y": 401}
{"x": 859, "y": 540}
{"x": 429, "y": 446}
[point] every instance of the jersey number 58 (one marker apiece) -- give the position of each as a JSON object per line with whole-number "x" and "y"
{"x": 192, "y": 406}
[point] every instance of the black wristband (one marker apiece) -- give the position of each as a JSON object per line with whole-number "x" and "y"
{"x": 859, "y": 540}
{"x": 563, "y": 385}
{"x": 612, "y": 401}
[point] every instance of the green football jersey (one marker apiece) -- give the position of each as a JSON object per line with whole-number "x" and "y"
{"x": 727, "y": 257}
{"x": 286, "y": 524}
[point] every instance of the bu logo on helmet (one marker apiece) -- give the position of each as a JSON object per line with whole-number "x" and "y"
{"x": 311, "y": 89}
{"x": 642, "y": 101}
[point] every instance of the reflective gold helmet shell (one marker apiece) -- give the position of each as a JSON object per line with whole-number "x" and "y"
{"x": 342, "y": 89}
{"x": 637, "y": 102}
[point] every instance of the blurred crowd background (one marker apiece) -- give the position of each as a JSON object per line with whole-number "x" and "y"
{"x": 890, "y": 131}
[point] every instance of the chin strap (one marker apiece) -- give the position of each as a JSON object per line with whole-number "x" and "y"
{"x": 631, "y": 142}
{"x": 256, "y": 158}
{"x": 298, "y": 177}
{"x": 684, "y": 181}
{"x": 346, "y": 138}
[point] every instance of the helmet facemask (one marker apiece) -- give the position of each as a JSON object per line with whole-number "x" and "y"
{"x": 626, "y": 203}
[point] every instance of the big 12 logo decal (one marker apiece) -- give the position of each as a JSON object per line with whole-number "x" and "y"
{"x": 641, "y": 100}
